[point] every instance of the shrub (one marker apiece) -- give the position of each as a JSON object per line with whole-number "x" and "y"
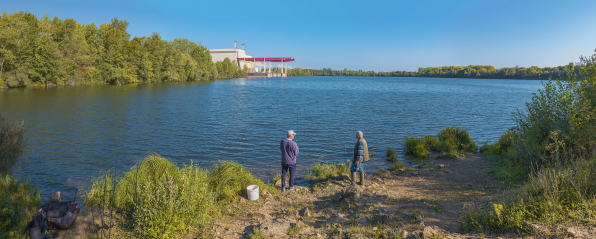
{"x": 431, "y": 143}
{"x": 326, "y": 170}
{"x": 390, "y": 153}
{"x": 397, "y": 166}
{"x": 19, "y": 199}
{"x": 12, "y": 144}
{"x": 456, "y": 140}
{"x": 416, "y": 147}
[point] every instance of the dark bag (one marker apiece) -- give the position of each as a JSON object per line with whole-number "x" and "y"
{"x": 62, "y": 215}
{"x": 38, "y": 227}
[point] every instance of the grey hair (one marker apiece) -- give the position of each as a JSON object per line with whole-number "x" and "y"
{"x": 359, "y": 133}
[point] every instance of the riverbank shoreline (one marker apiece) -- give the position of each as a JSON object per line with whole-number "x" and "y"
{"x": 423, "y": 202}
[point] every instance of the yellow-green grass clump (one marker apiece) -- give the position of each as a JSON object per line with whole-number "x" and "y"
{"x": 326, "y": 170}
{"x": 170, "y": 201}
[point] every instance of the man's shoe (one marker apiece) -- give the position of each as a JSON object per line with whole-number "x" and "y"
{"x": 283, "y": 189}
{"x": 291, "y": 188}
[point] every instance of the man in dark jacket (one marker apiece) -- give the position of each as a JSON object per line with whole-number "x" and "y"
{"x": 289, "y": 151}
{"x": 360, "y": 156}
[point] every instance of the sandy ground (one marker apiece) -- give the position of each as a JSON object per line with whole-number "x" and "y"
{"x": 422, "y": 201}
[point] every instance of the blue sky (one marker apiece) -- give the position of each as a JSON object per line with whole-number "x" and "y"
{"x": 358, "y": 35}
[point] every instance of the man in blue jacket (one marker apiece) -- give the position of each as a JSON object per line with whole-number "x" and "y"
{"x": 289, "y": 151}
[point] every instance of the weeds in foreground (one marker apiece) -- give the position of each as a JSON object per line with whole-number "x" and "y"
{"x": 170, "y": 201}
{"x": 19, "y": 199}
{"x": 551, "y": 196}
{"x": 397, "y": 166}
{"x": 326, "y": 170}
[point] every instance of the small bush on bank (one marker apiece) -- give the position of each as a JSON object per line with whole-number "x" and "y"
{"x": 452, "y": 142}
{"x": 431, "y": 143}
{"x": 416, "y": 147}
{"x": 326, "y": 170}
{"x": 12, "y": 145}
{"x": 390, "y": 154}
{"x": 19, "y": 199}
{"x": 456, "y": 140}
{"x": 397, "y": 166}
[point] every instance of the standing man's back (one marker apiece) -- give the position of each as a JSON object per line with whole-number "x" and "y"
{"x": 289, "y": 151}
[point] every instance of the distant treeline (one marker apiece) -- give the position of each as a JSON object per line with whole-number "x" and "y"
{"x": 471, "y": 71}
{"x": 44, "y": 51}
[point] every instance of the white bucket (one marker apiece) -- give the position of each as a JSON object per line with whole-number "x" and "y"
{"x": 253, "y": 192}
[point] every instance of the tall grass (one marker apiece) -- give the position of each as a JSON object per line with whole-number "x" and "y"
{"x": 390, "y": 154}
{"x": 326, "y": 170}
{"x": 19, "y": 199}
{"x": 455, "y": 140}
{"x": 230, "y": 179}
{"x": 551, "y": 196}
{"x": 170, "y": 201}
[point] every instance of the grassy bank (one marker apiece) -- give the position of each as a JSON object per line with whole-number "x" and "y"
{"x": 171, "y": 201}
{"x": 551, "y": 154}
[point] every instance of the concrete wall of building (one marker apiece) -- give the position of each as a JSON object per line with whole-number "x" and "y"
{"x": 233, "y": 54}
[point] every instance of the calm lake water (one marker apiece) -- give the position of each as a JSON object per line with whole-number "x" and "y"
{"x": 75, "y": 132}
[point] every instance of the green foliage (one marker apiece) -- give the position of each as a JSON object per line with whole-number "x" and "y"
{"x": 170, "y": 200}
{"x": 229, "y": 181}
{"x": 47, "y": 52}
{"x": 452, "y": 142}
{"x": 175, "y": 204}
{"x": 390, "y": 154}
{"x": 552, "y": 150}
{"x": 416, "y": 147}
{"x": 326, "y": 170}
{"x": 19, "y": 199}
{"x": 551, "y": 196}
{"x": 397, "y": 166}
{"x": 456, "y": 140}
{"x": 12, "y": 145}
{"x": 431, "y": 143}
{"x": 471, "y": 71}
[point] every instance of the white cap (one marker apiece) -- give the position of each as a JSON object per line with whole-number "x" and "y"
{"x": 291, "y": 132}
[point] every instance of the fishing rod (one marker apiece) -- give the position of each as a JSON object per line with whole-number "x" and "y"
{"x": 345, "y": 149}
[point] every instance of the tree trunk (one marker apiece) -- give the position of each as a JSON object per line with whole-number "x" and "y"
{"x": 2, "y": 66}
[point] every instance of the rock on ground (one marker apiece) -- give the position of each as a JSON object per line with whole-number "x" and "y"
{"x": 352, "y": 190}
{"x": 344, "y": 203}
{"x": 337, "y": 197}
{"x": 305, "y": 212}
{"x": 277, "y": 227}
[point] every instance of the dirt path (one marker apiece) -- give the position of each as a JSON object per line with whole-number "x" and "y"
{"x": 426, "y": 200}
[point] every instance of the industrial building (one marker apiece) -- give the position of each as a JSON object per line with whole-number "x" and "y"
{"x": 257, "y": 66}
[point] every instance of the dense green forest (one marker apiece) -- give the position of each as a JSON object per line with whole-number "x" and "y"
{"x": 47, "y": 52}
{"x": 471, "y": 71}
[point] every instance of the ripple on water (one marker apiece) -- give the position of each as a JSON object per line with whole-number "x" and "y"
{"x": 75, "y": 132}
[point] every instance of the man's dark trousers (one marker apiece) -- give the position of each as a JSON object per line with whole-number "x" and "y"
{"x": 284, "y": 170}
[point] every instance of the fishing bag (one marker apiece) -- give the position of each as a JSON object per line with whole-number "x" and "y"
{"x": 38, "y": 227}
{"x": 62, "y": 215}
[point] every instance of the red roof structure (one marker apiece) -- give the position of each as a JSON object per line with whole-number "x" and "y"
{"x": 271, "y": 59}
